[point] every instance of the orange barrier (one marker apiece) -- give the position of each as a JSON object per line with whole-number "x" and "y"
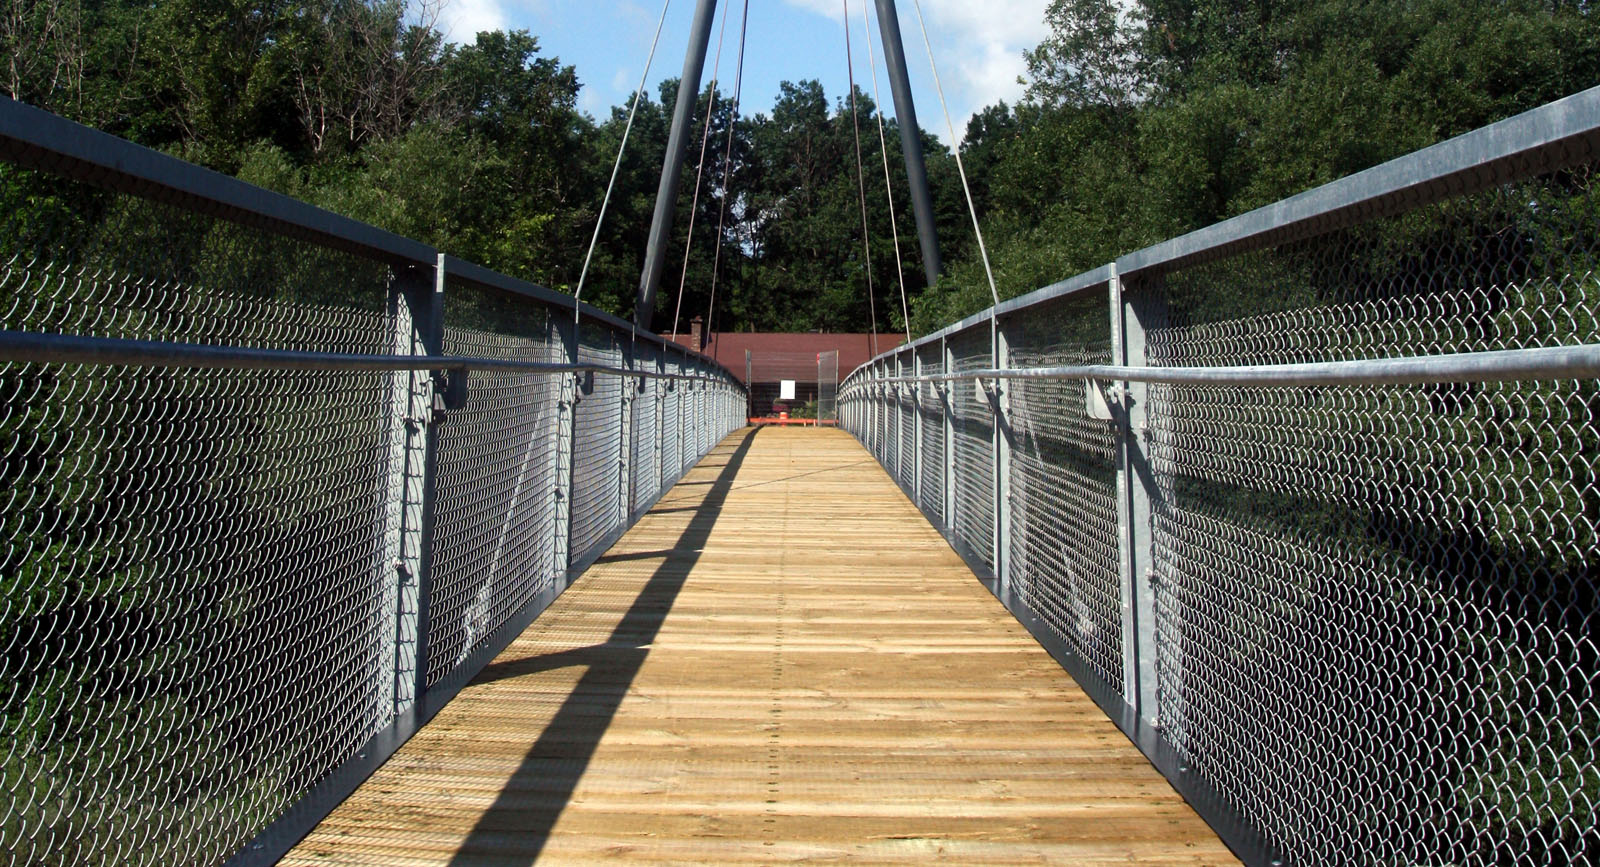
{"x": 784, "y": 420}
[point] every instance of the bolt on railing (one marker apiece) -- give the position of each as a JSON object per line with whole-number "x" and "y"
{"x": 1308, "y": 500}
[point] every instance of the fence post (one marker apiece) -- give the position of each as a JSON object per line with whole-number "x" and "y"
{"x": 1131, "y": 312}
{"x": 564, "y": 349}
{"x": 1000, "y": 401}
{"x": 416, "y": 313}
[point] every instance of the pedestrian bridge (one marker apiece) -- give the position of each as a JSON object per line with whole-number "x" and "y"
{"x": 1276, "y": 542}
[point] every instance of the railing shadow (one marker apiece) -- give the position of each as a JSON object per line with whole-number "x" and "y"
{"x": 516, "y": 826}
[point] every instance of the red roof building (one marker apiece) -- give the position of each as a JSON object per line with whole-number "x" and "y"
{"x": 764, "y": 359}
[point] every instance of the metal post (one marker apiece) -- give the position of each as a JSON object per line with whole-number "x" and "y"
{"x": 905, "y": 110}
{"x": 1131, "y": 311}
{"x": 416, "y": 312}
{"x": 672, "y": 167}
{"x": 1001, "y": 402}
{"x": 564, "y": 348}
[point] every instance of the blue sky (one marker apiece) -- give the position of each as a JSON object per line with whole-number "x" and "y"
{"x": 978, "y": 47}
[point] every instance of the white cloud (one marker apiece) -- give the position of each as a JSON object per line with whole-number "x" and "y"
{"x": 978, "y": 48}
{"x": 462, "y": 20}
{"x": 830, "y": 9}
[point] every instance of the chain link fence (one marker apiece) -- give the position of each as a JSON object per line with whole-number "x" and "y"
{"x": 277, "y": 484}
{"x": 1308, "y": 502}
{"x": 828, "y": 387}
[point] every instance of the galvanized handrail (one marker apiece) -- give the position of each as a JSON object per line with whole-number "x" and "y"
{"x": 1542, "y": 363}
{"x": 25, "y": 347}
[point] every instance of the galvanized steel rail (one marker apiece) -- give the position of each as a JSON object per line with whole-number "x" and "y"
{"x": 1308, "y": 500}
{"x": 277, "y": 485}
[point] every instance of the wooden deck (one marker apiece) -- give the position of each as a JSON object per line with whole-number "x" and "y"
{"x": 781, "y": 662}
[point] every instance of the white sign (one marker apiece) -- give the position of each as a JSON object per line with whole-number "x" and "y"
{"x": 786, "y": 390}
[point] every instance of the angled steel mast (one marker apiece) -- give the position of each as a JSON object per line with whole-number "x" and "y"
{"x": 678, "y": 143}
{"x": 655, "y": 255}
{"x": 905, "y": 110}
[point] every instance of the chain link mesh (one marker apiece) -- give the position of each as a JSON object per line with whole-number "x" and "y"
{"x": 597, "y": 446}
{"x": 906, "y": 422}
{"x": 645, "y": 468}
{"x": 1063, "y": 484}
{"x": 193, "y": 578}
{"x": 972, "y": 426}
{"x": 828, "y": 387}
{"x": 1409, "y": 571}
{"x": 687, "y": 405}
{"x": 672, "y": 423}
{"x": 930, "y": 420}
{"x": 493, "y": 542}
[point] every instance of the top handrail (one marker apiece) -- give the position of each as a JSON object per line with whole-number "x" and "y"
{"x": 39, "y": 140}
{"x": 1564, "y": 132}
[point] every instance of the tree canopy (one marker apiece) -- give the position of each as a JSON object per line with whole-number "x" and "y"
{"x": 1140, "y": 121}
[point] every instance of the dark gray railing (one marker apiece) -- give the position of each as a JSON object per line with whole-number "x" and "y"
{"x": 1307, "y": 500}
{"x": 277, "y": 485}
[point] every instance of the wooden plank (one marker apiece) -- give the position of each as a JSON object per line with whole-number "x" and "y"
{"x": 781, "y": 662}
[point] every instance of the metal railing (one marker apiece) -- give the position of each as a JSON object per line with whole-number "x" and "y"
{"x": 1307, "y": 500}
{"x": 277, "y": 485}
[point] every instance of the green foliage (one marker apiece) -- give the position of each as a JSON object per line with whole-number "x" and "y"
{"x": 1148, "y": 122}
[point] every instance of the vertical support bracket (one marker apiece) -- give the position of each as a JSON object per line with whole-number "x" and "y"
{"x": 416, "y": 314}
{"x": 1131, "y": 312}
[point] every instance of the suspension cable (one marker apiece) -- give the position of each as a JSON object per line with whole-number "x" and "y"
{"x": 861, "y": 180}
{"x": 888, "y": 187}
{"x": 727, "y": 170}
{"x": 605, "y": 203}
{"x": 699, "y": 173}
{"x": 955, "y": 146}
